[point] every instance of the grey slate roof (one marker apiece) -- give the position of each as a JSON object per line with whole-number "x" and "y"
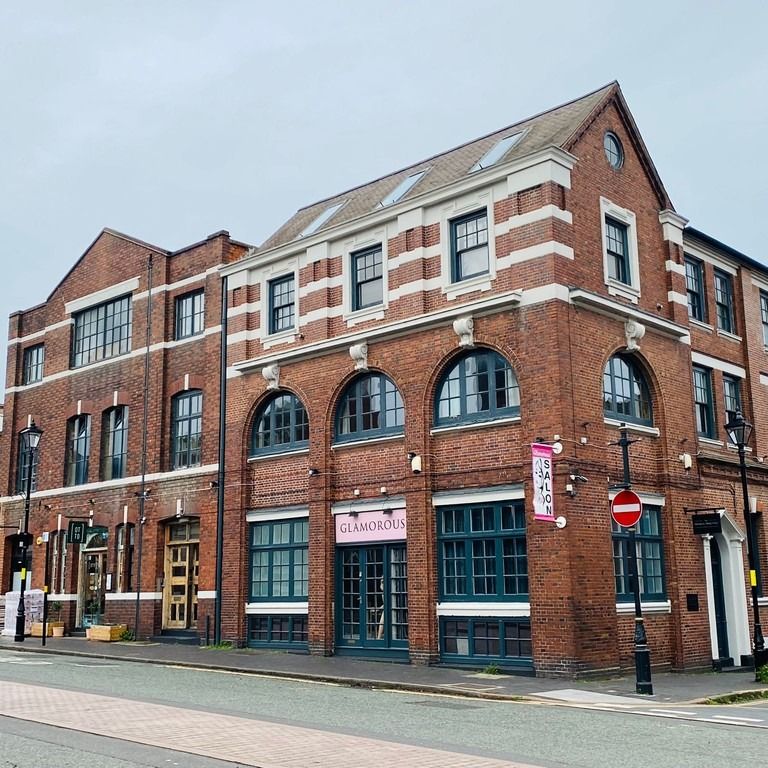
{"x": 552, "y": 128}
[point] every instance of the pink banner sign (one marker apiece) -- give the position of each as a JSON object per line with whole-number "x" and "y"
{"x": 543, "y": 496}
{"x": 379, "y": 525}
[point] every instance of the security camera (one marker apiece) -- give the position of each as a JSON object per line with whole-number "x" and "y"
{"x": 416, "y": 464}
{"x": 579, "y": 479}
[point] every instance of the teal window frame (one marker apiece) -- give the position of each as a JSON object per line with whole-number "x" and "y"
{"x": 21, "y": 474}
{"x": 469, "y": 234}
{"x": 614, "y": 151}
{"x": 78, "y": 450}
{"x": 279, "y": 547}
{"x": 731, "y": 398}
{"x": 278, "y": 630}
{"x": 764, "y": 316}
{"x": 470, "y": 640}
{"x": 187, "y": 429}
{"x": 34, "y": 364}
{"x": 190, "y": 314}
{"x": 482, "y": 550}
{"x": 724, "y": 301}
{"x": 694, "y": 283}
{"x": 617, "y": 249}
{"x": 367, "y": 266}
{"x": 282, "y": 304}
{"x": 703, "y": 402}
{"x": 624, "y": 382}
{"x": 457, "y": 388}
{"x": 649, "y": 545}
{"x": 114, "y": 442}
{"x": 365, "y": 414}
{"x": 281, "y": 424}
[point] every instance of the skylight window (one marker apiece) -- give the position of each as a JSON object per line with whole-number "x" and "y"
{"x": 321, "y": 219}
{"x": 402, "y": 189}
{"x": 495, "y": 153}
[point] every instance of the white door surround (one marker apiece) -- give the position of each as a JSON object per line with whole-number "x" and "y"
{"x": 730, "y": 543}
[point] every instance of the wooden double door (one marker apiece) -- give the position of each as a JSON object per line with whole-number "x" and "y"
{"x": 182, "y": 569}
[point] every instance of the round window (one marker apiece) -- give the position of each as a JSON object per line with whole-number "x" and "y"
{"x": 613, "y": 150}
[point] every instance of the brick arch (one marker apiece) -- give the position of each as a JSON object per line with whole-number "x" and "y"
{"x": 329, "y": 420}
{"x": 654, "y": 388}
{"x": 86, "y": 407}
{"x": 258, "y": 403}
{"x": 196, "y": 381}
{"x": 107, "y": 402}
{"x": 452, "y": 356}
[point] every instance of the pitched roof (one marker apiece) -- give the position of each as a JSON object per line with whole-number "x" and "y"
{"x": 555, "y": 127}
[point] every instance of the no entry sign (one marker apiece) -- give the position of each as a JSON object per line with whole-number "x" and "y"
{"x": 626, "y": 508}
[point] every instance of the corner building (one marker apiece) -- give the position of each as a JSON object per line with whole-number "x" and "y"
{"x": 394, "y": 351}
{"x": 76, "y": 367}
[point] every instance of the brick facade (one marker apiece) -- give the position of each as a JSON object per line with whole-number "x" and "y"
{"x": 547, "y": 307}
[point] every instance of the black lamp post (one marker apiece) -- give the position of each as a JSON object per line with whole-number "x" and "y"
{"x": 30, "y": 437}
{"x": 739, "y": 430}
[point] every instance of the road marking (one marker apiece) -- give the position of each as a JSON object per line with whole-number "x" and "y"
{"x": 740, "y": 719}
{"x": 674, "y": 712}
{"x": 23, "y": 662}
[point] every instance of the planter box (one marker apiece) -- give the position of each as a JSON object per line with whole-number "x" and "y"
{"x": 37, "y": 628}
{"x": 106, "y": 632}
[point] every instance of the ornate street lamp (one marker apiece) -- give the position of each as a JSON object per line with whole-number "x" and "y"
{"x": 739, "y": 430}
{"x": 30, "y": 439}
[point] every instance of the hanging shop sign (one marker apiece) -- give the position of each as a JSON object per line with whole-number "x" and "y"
{"x": 76, "y": 532}
{"x": 378, "y": 525}
{"x": 543, "y": 495}
{"x": 710, "y": 522}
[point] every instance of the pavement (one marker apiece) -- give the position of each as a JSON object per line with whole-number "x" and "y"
{"x": 668, "y": 687}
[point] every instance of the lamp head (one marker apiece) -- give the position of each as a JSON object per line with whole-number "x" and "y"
{"x": 31, "y": 437}
{"x": 739, "y": 429}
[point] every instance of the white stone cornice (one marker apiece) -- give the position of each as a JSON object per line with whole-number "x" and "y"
{"x": 697, "y": 358}
{"x": 672, "y": 226}
{"x": 606, "y": 306}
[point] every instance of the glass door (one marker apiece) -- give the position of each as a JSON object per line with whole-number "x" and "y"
{"x": 373, "y": 597}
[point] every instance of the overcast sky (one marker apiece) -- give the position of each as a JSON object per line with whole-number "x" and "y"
{"x": 169, "y": 120}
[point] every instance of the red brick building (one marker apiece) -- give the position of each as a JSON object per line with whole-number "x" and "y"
{"x": 76, "y": 366}
{"x": 392, "y": 354}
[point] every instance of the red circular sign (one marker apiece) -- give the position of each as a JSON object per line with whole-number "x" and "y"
{"x": 626, "y": 508}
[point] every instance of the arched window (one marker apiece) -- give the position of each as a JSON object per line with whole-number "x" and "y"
{"x": 78, "y": 450}
{"x": 481, "y": 386}
{"x": 280, "y": 425}
{"x": 186, "y": 429}
{"x": 625, "y": 392}
{"x": 371, "y": 406}
{"x": 114, "y": 442}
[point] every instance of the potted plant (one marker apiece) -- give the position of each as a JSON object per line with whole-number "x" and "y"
{"x": 55, "y": 622}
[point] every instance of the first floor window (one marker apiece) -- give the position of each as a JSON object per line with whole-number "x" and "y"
{"x": 78, "y": 450}
{"x": 483, "y": 552}
{"x": 469, "y": 246}
{"x": 24, "y": 468}
{"x": 280, "y": 425}
{"x": 186, "y": 430}
{"x": 626, "y": 396}
{"x": 371, "y": 406}
{"x": 732, "y": 393}
{"x": 279, "y": 564}
{"x": 702, "y": 398}
{"x": 650, "y": 563}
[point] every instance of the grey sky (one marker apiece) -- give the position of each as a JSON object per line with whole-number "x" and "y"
{"x": 170, "y": 120}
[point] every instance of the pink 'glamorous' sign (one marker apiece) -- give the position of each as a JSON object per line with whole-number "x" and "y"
{"x": 379, "y": 525}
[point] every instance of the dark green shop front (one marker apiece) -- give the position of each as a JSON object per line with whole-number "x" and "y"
{"x": 372, "y": 584}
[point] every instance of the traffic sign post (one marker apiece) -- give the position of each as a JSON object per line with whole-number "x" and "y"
{"x": 626, "y": 510}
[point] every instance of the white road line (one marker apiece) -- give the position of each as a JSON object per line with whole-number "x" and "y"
{"x": 747, "y": 719}
{"x": 674, "y": 712}
{"x": 647, "y": 712}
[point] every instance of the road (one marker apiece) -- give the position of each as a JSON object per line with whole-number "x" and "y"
{"x": 257, "y": 721}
